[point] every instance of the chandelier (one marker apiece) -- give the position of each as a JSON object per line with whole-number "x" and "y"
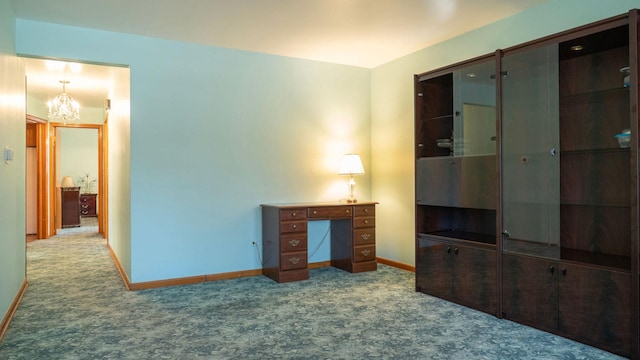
{"x": 63, "y": 107}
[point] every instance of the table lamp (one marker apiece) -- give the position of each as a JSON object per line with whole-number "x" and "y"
{"x": 351, "y": 165}
{"x": 67, "y": 182}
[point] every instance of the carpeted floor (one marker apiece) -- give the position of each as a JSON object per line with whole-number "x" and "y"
{"x": 76, "y": 307}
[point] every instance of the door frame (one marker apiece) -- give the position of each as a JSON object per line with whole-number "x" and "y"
{"x": 41, "y": 129}
{"x": 102, "y": 170}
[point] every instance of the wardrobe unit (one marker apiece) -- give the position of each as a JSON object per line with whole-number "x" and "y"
{"x": 527, "y": 184}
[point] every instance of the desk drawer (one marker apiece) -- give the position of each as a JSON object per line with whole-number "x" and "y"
{"x": 363, "y": 222}
{"x": 292, "y": 261}
{"x": 364, "y": 236}
{"x": 330, "y": 212}
{"x": 293, "y": 227}
{"x": 364, "y": 253}
{"x": 293, "y": 214}
{"x": 364, "y": 210}
{"x": 293, "y": 242}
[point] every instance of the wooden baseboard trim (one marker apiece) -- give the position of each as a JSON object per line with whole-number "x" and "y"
{"x": 123, "y": 274}
{"x": 209, "y": 277}
{"x": 167, "y": 282}
{"x": 6, "y": 320}
{"x": 396, "y": 264}
{"x": 318, "y": 265}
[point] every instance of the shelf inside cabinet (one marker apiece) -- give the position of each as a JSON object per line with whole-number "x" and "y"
{"x": 597, "y": 259}
{"x": 462, "y": 235}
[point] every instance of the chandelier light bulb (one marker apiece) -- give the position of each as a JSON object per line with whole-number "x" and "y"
{"x": 63, "y": 107}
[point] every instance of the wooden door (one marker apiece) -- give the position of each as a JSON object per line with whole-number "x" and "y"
{"x": 474, "y": 278}
{"x": 433, "y": 268}
{"x": 594, "y": 307}
{"x": 530, "y": 291}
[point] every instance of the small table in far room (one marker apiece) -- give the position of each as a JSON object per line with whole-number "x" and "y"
{"x": 284, "y": 237}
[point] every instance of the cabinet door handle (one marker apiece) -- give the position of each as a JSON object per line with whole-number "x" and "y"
{"x": 552, "y": 269}
{"x": 455, "y": 251}
{"x": 448, "y": 249}
{"x": 553, "y": 152}
{"x": 564, "y": 271}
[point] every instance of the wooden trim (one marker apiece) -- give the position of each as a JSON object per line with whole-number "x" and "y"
{"x": 222, "y": 276}
{"x": 103, "y": 186}
{"x": 396, "y": 264}
{"x": 102, "y": 171}
{"x": 43, "y": 183}
{"x": 6, "y": 320}
{"x": 319, "y": 265}
{"x": 31, "y": 119}
{"x": 168, "y": 282}
{"x": 123, "y": 274}
{"x": 233, "y": 275}
{"x": 634, "y": 64}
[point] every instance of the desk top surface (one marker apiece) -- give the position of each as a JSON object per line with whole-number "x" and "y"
{"x": 318, "y": 204}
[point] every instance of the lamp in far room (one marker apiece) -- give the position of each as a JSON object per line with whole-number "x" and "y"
{"x": 351, "y": 165}
{"x": 66, "y": 182}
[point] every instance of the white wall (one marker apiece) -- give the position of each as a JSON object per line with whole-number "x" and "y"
{"x": 392, "y": 107}
{"x": 12, "y": 175}
{"x": 213, "y": 133}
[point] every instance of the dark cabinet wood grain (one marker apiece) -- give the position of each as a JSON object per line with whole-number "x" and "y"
{"x": 70, "y": 204}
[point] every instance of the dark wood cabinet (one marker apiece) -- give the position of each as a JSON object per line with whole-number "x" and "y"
{"x": 456, "y": 199}
{"x": 465, "y": 274}
{"x": 88, "y": 205}
{"x": 70, "y": 205}
{"x": 585, "y": 303}
{"x": 566, "y": 195}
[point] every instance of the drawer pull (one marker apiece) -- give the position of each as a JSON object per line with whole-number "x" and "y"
{"x": 294, "y": 226}
{"x": 365, "y": 236}
{"x": 366, "y": 211}
{"x": 366, "y": 221}
{"x": 293, "y": 214}
{"x": 347, "y": 211}
{"x": 294, "y": 260}
{"x": 365, "y": 252}
{"x": 315, "y": 212}
{"x": 294, "y": 242}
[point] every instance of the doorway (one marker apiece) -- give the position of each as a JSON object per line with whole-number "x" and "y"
{"x": 77, "y": 160}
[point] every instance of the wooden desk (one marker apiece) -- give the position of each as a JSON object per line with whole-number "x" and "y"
{"x": 284, "y": 237}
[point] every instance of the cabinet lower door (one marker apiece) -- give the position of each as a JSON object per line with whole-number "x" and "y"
{"x": 474, "y": 278}
{"x": 595, "y": 307}
{"x": 433, "y": 268}
{"x": 530, "y": 291}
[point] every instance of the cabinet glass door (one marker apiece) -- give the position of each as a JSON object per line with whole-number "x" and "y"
{"x": 530, "y": 152}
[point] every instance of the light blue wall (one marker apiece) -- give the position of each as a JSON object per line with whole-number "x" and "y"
{"x": 392, "y": 107}
{"x": 214, "y": 133}
{"x": 12, "y": 175}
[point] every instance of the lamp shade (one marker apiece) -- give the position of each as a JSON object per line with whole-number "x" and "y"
{"x": 67, "y": 182}
{"x": 351, "y": 165}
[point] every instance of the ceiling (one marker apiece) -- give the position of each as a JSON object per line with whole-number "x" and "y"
{"x": 364, "y": 33}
